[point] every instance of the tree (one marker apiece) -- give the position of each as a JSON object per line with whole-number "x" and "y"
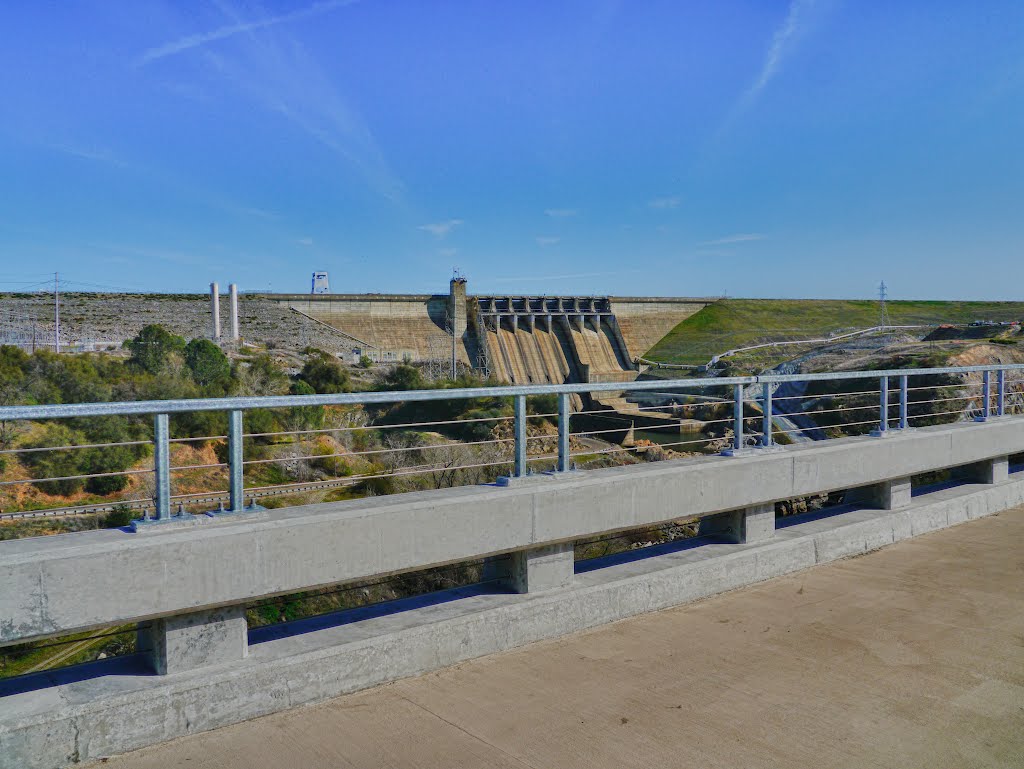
{"x": 152, "y": 347}
{"x": 325, "y": 375}
{"x": 207, "y": 363}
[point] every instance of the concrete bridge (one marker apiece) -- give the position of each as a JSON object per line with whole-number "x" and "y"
{"x": 187, "y": 580}
{"x": 907, "y": 656}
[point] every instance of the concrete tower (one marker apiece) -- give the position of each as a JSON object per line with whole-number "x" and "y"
{"x": 233, "y": 293}
{"x": 457, "y": 316}
{"x": 215, "y": 311}
{"x": 457, "y": 305}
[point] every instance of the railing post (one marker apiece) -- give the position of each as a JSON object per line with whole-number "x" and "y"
{"x": 903, "y": 403}
{"x": 737, "y": 417}
{"x": 520, "y": 434}
{"x": 236, "y": 481}
{"x": 766, "y": 406}
{"x": 162, "y": 466}
{"x": 986, "y": 397}
{"x": 883, "y": 403}
{"x": 1001, "y": 396}
{"x": 564, "y": 410}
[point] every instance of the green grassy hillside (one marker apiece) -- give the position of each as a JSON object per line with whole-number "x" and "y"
{"x": 732, "y": 323}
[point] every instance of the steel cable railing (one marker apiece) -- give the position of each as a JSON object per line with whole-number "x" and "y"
{"x": 756, "y": 418}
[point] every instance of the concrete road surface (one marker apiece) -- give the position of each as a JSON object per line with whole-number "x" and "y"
{"x": 912, "y": 656}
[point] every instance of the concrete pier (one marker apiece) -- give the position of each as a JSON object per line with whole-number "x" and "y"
{"x": 185, "y": 642}
{"x": 534, "y": 570}
{"x": 892, "y": 494}
{"x": 751, "y": 524}
{"x": 994, "y": 470}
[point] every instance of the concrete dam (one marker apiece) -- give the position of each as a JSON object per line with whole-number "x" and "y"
{"x": 515, "y": 339}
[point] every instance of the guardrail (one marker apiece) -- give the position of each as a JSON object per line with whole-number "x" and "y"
{"x": 980, "y": 401}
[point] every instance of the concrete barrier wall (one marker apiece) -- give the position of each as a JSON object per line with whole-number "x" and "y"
{"x": 71, "y": 582}
{"x": 52, "y": 721}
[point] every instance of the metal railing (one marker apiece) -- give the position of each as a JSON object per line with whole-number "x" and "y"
{"x": 741, "y": 396}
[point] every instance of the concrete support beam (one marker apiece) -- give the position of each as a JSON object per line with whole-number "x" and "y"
{"x": 887, "y": 495}
{"x": 531, "y": 571}
{"x": 199, "y": 639}
{"x": 996, "y": 470}
{"x": 531, "y": 322}
{"x": 752, "y": 524}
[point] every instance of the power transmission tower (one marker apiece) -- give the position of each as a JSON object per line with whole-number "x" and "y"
{"x": 883, "y": 311}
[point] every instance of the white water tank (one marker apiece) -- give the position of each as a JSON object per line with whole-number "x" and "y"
{"x": 320, "y": 283}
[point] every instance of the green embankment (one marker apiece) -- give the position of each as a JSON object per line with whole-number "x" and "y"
{"x": 732, "y": 323}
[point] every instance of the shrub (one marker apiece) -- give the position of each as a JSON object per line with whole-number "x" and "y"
{"x": 325, "y": 375}
{"x": 56, "y": 464}
{"x": 120, "y": 515}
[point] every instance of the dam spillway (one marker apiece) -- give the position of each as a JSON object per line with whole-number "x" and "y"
{"x": 552, "y": 340}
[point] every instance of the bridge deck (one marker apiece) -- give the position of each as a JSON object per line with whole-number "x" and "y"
{"x": 911, "y": 656}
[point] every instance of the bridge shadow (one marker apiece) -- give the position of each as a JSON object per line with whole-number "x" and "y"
{"x": 931, "y": 488}
{"x": 642, "y": 553}
{"x": 128, "y": 666}
{"x": 784, "y": 522}
{"x": 342, "y": 617}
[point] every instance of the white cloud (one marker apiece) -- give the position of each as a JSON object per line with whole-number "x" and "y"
{"x": 742, "y": 237}
{"x": 547, "y": 240}
{"x": 665, "y": 203}
{"x": 305, "y": 241}
{"x": 276, "y": 72}
{"x": 447, "y": 252}
{"x": 270, "y": 66}
{"x": 560, "y": 213}
{"x": 440, "y": 229}
{"x": 229, "y": 30}
{"x": 782, "y": 44}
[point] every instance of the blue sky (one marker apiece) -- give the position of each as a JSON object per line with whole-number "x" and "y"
{"x": 804, "y": 149}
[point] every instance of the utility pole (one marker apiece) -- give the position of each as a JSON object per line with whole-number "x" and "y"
{"x": 56, "y": 313}
{"x": 883, "y": 312}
